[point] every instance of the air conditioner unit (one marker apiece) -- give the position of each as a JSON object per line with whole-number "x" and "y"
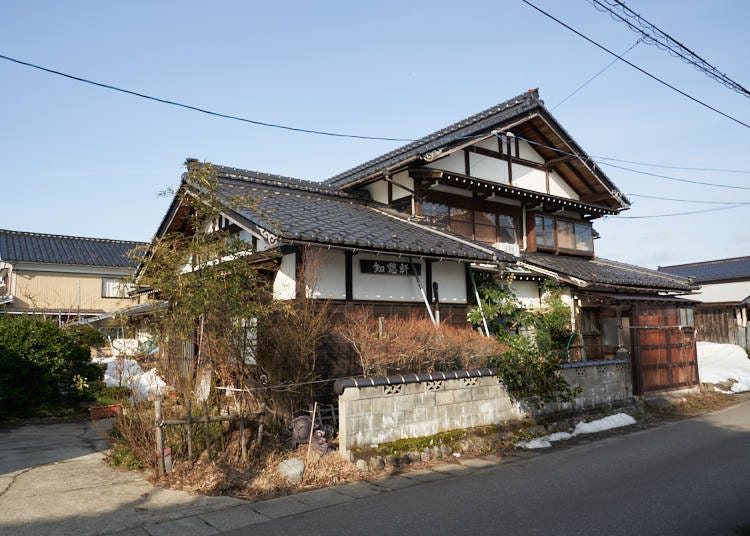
{"x": 513, "y": 249}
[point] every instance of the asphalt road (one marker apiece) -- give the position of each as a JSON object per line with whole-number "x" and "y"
{"x": 686, "y": 477}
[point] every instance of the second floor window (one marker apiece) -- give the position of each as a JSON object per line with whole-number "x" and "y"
{"x": 487, "y": 227}
{"x": 563, "y": 235}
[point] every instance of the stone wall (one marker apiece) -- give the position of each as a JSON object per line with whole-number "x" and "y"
{"x": 373, "y": 411}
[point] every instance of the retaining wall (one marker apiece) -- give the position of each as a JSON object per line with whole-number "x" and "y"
{"x": 380, "y": 410}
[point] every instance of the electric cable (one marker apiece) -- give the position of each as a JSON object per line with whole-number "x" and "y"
{"x": 639, "y": 69}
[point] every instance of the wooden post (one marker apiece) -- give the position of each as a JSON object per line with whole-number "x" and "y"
{"x": 207, "y": 429}
{"x": 312, "y": 428}
{"x": 262, "y": 417}
{"x": 243, "y": 446}
{"x": 159, "y": 437}
{"x": 189, "y": 426}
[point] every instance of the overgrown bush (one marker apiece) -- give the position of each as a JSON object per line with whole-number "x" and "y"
{"x": 42, "y": 364}
{"x": 413, "y": 344}
{"x": 536, "y": 340}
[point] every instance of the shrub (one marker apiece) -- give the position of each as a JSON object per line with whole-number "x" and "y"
{"x": 42, "y": 364}
{"x": 414, "y": 344}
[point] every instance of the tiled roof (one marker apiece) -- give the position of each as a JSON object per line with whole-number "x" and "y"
{"x": 17, "y": 246}
{"x": 606, "y": 272}
{"x": 306, "y": 211}
{"x": 466, "y": 127}
{"x": 718, "y": 270}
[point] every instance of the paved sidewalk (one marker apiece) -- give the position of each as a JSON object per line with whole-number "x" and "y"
{"x": 53, "y": 481}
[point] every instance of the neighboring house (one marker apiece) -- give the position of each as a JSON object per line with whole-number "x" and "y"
{"x": 505, "y": 190}
{"x": 65, "y": 277}
{"x": 723, "y": 311}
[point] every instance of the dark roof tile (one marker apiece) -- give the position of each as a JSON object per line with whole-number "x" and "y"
{"x": 606, "y": 272}
{"x": 718, "y": 270}
{"x": 18, "y": 246}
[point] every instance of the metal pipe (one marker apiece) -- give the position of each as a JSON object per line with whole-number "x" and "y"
{"x": 424, "y": 296}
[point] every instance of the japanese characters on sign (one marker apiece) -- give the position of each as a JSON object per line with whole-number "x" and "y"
{"x": 388, "y": 267}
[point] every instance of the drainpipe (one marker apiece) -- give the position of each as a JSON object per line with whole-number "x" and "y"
{"x": 523, "y": 225}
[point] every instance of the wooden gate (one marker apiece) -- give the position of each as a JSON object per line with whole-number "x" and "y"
{"x": 664, "y": 354}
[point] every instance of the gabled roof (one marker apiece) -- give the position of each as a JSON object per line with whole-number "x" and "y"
{"x": 596, "y": 271}
{"x": 526, "y": 116}
{"x": 709, "y": 271}
{"x": 18, "y": 246}
{"x": 461, "y": 130}
{"x": 296, "y": 210}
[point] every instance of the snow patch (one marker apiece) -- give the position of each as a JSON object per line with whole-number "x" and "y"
{"x": 719, "y": 363}
{"x": 607, "y": 423}
{"x": 128, "y": 373}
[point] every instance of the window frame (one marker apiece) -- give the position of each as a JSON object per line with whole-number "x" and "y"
{"x": 572, "y": 224}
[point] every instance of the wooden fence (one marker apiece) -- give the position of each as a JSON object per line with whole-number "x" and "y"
{"x": 205, "y": 419}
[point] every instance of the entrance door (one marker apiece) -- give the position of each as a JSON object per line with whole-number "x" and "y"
{"x": 664, "y": 354}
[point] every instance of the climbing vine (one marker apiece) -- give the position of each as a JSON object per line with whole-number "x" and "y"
{"x": 537, "y": 339}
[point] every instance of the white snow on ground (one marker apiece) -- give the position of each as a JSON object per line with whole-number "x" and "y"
{"x": 128, "y": 373}
{"x": 718, "y": 363}
{"x": 607, "y": 423}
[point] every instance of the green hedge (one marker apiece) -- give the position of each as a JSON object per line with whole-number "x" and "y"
{"x": 42, "y": 365}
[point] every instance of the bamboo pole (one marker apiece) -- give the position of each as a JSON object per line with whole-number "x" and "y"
{"x": 189, "y": 425}
{"x": 243, "y": 446}
{"x": 207, "y": 429}
{"x": 159, "y": 433}
{"x": 312, "y": 428}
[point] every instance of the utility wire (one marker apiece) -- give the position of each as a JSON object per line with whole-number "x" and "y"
{"x": 634, "y": 66}
{"x": 662, "y": 40}
{"x": 619, "y": 217}
{"x": 201, "y": 110}
{"x": 697, "y": 201}
{"x": 324, "y": 133}
{"x": 587, "y": 82}
{"x": 657, "y": 175}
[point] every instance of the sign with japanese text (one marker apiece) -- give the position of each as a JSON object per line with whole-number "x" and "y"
{"x": 388, "y": 267}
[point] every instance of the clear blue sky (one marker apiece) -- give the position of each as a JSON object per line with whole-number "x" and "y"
{"x": 81, "y": 160}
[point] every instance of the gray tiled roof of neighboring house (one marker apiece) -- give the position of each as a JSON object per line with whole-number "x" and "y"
{"x": 310, "y": 212}
{"x": 718, "y": 270}
{"x": 455, "y": 132}
{"x": 18, "y": 246}
{"x": 606, "y": 272}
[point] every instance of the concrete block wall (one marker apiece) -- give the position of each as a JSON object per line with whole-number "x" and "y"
{"x": 375, "y": 414}
{"x": 380, "y": 414}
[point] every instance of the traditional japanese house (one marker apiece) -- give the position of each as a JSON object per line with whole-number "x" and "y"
{"x": 507, "y": 190}
{"x": 723, "y": 308}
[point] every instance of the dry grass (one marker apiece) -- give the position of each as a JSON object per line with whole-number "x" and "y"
{"x": 260, "y": 478}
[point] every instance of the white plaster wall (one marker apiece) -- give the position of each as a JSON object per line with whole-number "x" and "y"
{"x": 325, "y": 274}
{"x": 402, "y": 177}
{"x": 489, "y": 143}
{"x": 558, "y": 187}
{"x": 453, "y": 162}
{"x": 247, "y": 236}
{"x": 378, "y": 191}
{"x": 527, "y": 152}
{"x": 488, "y": 168}
{"x": 284, "y": 287}
{"x": 527, "y": 293}
{"x": 451, "y": 279}
{"x": 529, "y": 178}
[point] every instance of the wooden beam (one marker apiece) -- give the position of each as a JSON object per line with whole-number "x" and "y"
{"x": 348, "y": 276}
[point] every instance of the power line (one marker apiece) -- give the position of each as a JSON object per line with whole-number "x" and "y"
{"x": 697, "y": 201}
{"x": 665, "y": 166}
{"x": 657, "y": 175}
{"x": 587, "y": 82}
{"x": 678, "y": 213}
{"x": 201, "y": 110}
{"x": 619, "y": 11}
{"x": 325, "y": 133}
{"x": 634, "y": 66}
